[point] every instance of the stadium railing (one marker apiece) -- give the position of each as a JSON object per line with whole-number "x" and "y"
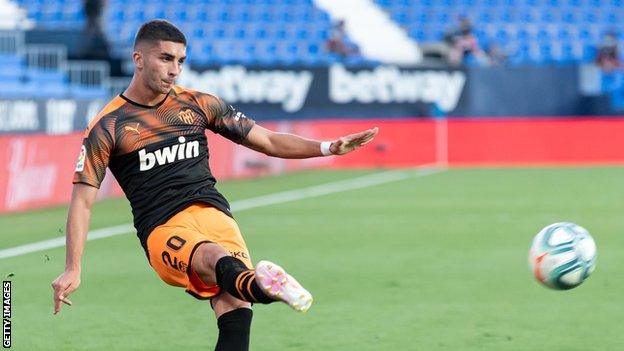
{"x": 46, "y": 57}
{"x": 11, "y": 42}
{"x": 88, "y": 78}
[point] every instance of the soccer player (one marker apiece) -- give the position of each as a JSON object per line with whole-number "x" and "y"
{"x": 152, "y": 138}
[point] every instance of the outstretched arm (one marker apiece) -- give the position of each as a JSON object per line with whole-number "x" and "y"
{"x": 83, "y": 197}
{"x": 286, "y": 145}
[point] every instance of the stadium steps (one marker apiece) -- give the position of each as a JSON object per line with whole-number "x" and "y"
{"x": 378, "y": 37}
{"x": 12, "y": 16}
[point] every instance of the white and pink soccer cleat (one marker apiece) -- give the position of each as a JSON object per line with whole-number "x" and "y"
{"x": 281, "y": 286}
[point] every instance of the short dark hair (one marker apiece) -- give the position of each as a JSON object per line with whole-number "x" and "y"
{"x": 159, "y": 30}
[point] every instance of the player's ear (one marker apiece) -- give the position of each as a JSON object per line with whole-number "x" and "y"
{"x": 137, "y": 57}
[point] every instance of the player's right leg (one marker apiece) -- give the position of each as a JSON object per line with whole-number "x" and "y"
{"x": 267, "y": 283}
{"x": 202, "y": 249}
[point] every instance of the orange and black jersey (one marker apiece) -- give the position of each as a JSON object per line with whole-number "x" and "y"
{"x": 159, "y": 154}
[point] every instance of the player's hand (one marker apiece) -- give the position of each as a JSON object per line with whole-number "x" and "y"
{"x": 64, "y": 285}
{"x": 351, "y": 142}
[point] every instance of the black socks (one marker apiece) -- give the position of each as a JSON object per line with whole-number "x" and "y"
{"x": 234, "y": 330}
{"x": 235, "y": 278}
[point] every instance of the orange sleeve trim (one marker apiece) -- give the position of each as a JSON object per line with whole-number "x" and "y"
{"x": 112, "y": 105}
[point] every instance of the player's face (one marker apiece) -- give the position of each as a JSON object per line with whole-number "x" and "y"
{"x": 162, "y": 63}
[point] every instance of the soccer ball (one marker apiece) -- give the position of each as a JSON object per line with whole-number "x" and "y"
{"x": 562, "y": 255}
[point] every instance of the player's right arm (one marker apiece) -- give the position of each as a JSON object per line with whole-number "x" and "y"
{"x": 234, "y": 125}
{"x": 83, "y": 197}
{"x": 95, "y": 152}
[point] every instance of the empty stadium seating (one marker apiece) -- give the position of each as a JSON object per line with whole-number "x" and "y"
{"x": 43, "y": 72}
{"x": 239, "y": 31}
{"x": 531, "y": 31}
{"x": 294, "y": 31}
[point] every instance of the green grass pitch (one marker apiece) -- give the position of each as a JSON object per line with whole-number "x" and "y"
{"x": 426, "y": 263}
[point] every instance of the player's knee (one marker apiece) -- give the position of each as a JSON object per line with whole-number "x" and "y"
{"x": 204, "y": 260}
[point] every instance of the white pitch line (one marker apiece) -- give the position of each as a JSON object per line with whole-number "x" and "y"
{"x": 60, "y": 241}
{"x": 242, "y": 205}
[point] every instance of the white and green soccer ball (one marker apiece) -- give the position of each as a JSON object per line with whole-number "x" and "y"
{"x": 562, "y": 255}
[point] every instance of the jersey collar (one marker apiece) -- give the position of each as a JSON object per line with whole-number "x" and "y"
{"x": 145, "y": 106}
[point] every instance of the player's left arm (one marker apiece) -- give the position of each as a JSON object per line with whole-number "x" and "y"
{"x": 286, "y": 145}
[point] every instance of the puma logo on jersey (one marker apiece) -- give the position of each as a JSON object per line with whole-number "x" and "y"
{"x": 168, "y": 154}
{"x": 187, "y": 115}
{"x": 133, "y": 129}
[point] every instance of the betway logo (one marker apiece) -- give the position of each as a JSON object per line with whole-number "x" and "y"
{"x": 388, "y": 84}
{"x": 237, "y": 84}
{"x": 169, "y": 154}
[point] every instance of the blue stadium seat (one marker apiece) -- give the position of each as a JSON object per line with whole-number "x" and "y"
{"x": 612, "y": 18}
{"x": 590, "y": 16}
{"x": 418, "y": 34}
{"x": 571, "y": 16}
{"x": 589, "y": 53}
{"x": 266, "y": 52}
{"x": 572, "y": 52}
{"x": 502, "y": 35}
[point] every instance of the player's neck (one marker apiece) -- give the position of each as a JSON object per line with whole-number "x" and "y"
{"x": 142, "y": 94}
